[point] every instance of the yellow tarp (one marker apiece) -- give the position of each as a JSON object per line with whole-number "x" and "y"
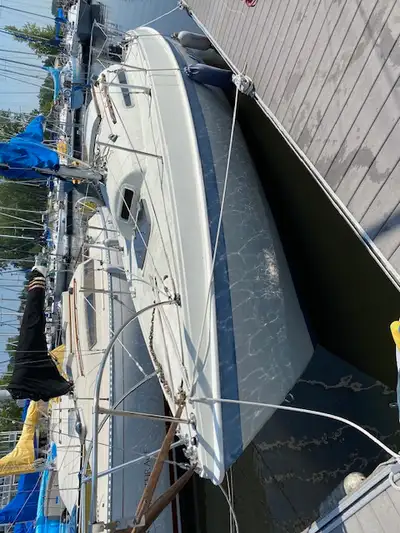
{"x": 21, "y": 459}
{"x": 394, "y": 328}
{"x": 58, "y": 355}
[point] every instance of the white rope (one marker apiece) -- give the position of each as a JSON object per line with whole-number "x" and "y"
{"x": 232, "y": 513}
{"x": 305, "y": 411}
{"x": 210, "y": 284}
{"x": 229, "y": 486}
{"x": 160, "y": 17}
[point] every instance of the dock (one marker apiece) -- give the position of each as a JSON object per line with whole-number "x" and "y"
{"x": 327, "y": 74}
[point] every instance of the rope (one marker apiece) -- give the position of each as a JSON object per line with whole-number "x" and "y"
{"x": 231, "y": 509}
{"x": 161, "y": 16}
{"x": 346, "y": 421}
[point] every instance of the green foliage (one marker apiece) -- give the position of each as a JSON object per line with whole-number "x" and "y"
{"x": 46, "y": 95}
{"x": 41, "y": 47}
{"x": 23, "y": 197}
{"x": 19, "y": 196}
{"x": 11, "y": 124}
{"x": 11, "y": 347}
{"x": 10, "y": 413}
{"x": 10, "y": 417}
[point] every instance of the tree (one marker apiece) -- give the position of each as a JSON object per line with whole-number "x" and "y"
{"x": 19, "y": 196}
{"x": 10, "y": 416}
{"x": 46, "y": 95}
{"x": 10, "y": 413}
{"x": 12, "y": 123}
{"x": 38, "y": 38}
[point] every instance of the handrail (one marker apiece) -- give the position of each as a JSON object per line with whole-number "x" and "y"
{"x": 96, "y": 399}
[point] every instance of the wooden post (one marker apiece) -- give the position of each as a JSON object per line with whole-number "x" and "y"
{"x": 148, "y": 492}
{"x": 163, "y": 501}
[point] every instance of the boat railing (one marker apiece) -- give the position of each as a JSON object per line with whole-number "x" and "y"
{"x": 97, "y": 425}
{"x": 91, "y": 454}
{"x": 111, "y": 39}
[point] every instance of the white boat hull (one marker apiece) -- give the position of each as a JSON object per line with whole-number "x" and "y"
{"x": 238, "y": 332}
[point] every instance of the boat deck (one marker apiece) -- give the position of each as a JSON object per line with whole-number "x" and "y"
{"x": 329, "y": 73}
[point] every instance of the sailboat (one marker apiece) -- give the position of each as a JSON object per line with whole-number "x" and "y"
{"x": 97, "y": 303}
{"x": 201, "y": 251}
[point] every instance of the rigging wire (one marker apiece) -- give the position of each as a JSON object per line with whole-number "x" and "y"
{"x": 161, "y": 16}
{"x": 303, "y": 410}
{"x": 8, "y": 530}
{"x": 216, "y": 243}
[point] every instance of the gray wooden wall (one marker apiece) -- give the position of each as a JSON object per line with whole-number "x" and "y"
{"x": 329, "y": 71}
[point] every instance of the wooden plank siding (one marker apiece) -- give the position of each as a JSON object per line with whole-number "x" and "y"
{"x": 329, "y": 71}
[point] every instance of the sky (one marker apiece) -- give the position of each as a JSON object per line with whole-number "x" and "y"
{"x": 20, "y": 95}
{"x": 17, "y": 96}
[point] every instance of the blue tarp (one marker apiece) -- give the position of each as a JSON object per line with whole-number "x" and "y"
{"x": 60, "y": 16}
{"x": 59, "y": 19}
{"x": 43, "y": 523}
{"x": 56, "y": 75}
{"x": 25, "y": 410}
{"x": 25, "y": 152}
{"x": 22, "y": 508}
{"x": 25, "y": 527}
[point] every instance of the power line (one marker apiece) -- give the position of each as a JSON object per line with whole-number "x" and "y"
{"x": 27, "y": 12}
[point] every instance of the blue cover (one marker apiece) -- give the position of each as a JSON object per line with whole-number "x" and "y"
{"x": 33, "y": 131}
{"x": 44, "y": 524}
{"x": 59, "y": 19}
{"x": 77, "y": 98}
{"x": 25, "y": 410}
{"x": 22, "y": 508}
{"x": 25, "y": 527}
{"x": 207, "y": 75}
{"x": 25, "y": 152}
{"x": 60, "y": 16}
{"x": 56, "y": 75}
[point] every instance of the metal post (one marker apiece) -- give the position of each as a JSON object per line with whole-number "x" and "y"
{"x": 101, "y": 291}
{"x": 140, "y": 88}
{"x": 102, "y": 247}
{"x": 132, "y": 150}
{"x": 131, "y": 462}
{"x": 103, "y": 229}
{"x": 135, "y": 414}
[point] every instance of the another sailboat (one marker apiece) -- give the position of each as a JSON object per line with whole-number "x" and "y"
{"x": 96, "y": 305}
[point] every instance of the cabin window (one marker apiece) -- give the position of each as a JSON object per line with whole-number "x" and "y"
{"x": 127, "y": 204}
{"x": 90, "y": 302}
{"x": 126, "y": 95}
{"x": 142, "y": 234}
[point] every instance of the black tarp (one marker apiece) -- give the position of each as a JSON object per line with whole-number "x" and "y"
{"x": 35, "y": 374}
